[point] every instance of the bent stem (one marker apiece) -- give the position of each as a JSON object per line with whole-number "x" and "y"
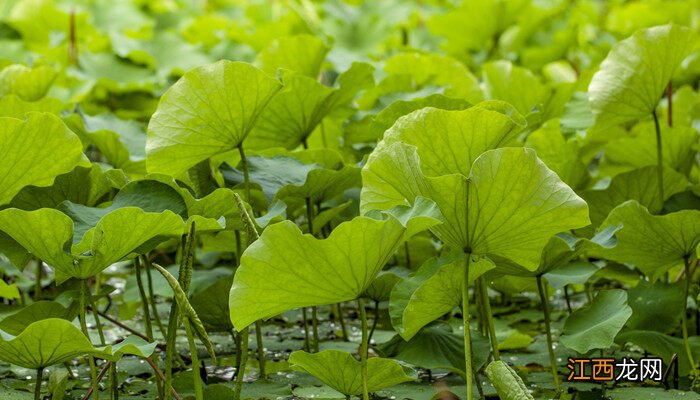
{"x": 684, "y": 321}
{"x": 196, "y": 379}
{"x": 364, "y": 349}
{"x": 468, "y": 372}
{"x": 659, "y": 156}
{"x": 244, "y": 360}
{"x": 39, "y": 377}
{"x": 486, "y": 307}
{"x": 374, "y": 321}
{"x": 541, "y": 288}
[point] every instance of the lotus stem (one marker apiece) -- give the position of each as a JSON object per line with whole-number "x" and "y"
{"x": 314, "y": 327}
{"x": 244, "y": 360}
{"x": 669, "y": 101}
{"x": 84, "y": 294}
{"x": 196, "y": 379}
{"x": 343, "y": 328}
{"x": 375, "y": 320}
{"x": 542, "y": 289}
{"x": 144, "y": 300}
{"x": 37, "y": 284}
{"x": 486, "y": 305}
{"x": 305, "y": 324}
{"x": 246, "y": 173}
{"x": 365, "y": 348}
{"x": 468, "y": 371}
{"x": 37, "y": 387}
{"x": 113, "y": 380}
{"x": 684, "y": 320}
{"x": 659, "y": 156}
{"x": 151, "y": 297}
{"x": 261, "y": 349}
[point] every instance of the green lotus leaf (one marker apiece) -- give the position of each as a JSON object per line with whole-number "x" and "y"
{"x": 106, "y": 71}
{"x": 640, "y": 185}
{"x": 211, "y": 304}
{"x": 437, "y": 69}
{"x": 560, "y": 155}
{"x": 595, "y": 326}
{"x": 44, "y": 343}
{"x": 210, "y": 110}
{"x": 639, "y": 150}
{"x": 573, "y": 273}
{"x": 9, "y": 291}
{"x": 341, "y": 371}
{"x": 300, "y": 53}
{"x": 82, "y": 185}
{"x": 28, "y": 84}
{"x": 507, "y": 204}
{"x": 653, "y": 243}
{"x": 432, "y": 292}
{"x": 13, "y": 106}
{"x": 662, "y": 345}
{"x": 380, "y": 289}
{"x": 634, "y": 75}
{"x": 656, "y": 306}
{"x": 38, "y": 150}
{"x": 295, "y": 112}
{"x": 286, "y": 269}
{"x": 132, "y": 345}
{"x": 48, "y": 233}
{"x": 436, "y": 347}
{"x": 508, "y": 384}
{"x": 516, "y": 85}
{"x": 17, "y": 322}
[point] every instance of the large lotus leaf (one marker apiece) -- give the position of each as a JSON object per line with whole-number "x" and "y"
{"x": 304, "y": 102}
{"x": 639, "y": 150}
{"x": 210, "y": 110}
{"x": 211, "y": 304}
{"x": 15, "y": 323}
{"x": 109, "y": 72}
{"x": 662, "y": 345}
{"x": 560, "y": 155}
{"x": 640, "y": 185}
{"x": 433, "y": 291}
{"x": 436, "y": 69}
{"x": 634, "y": 75}
{"x": 653, "y": 243}
{"x": 286, "y": 269}
{"x": 516, "y": 85}
{"x": 12, "y": 106}
{"x": 371, "y": 128}
{"x": 29, "y": 84}
{"x": 595, "y": 326}
{"x": 301, "y": 53}
{"x": 48, "y": 234}
{"x": 342, "y": 372}
{"x": 510, "y": 205}
{"x": 44, "y": 343}
{"x": 35, "y": 152}
{"x": 132, "y": 345}
{"x": 573, "y": 273}
{"x": 82, "y": 185}
{"x": 656, "y": 306}
{"x": 436, "y": 347}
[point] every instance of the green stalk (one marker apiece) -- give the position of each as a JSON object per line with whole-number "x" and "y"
{"x": 684, "y": 320}
{"x": 343, "y": 328}
{"x": 113, "y": 380}
{"x": 468, "y": 372}
{"x": 151, "y": 297}
{"x": 83, "y": 326}
{"x": 37, "y": 284}
{"x": 486, "y": 305}
{"x": 364, "y": 349}
{"x": 659, "y": 156}
{"x": 542, "y": 289}
{"x": 244, "y": 360}
{"x": 37, "y": 388}
{"x": 314, "y": 326}
{"x": 304, "y": 319}
{"x": 95, "y": 314}
{"x": 374, "y": 321}
{"x": 196, "y": 379}
{"x": 314, "y": 317}
{"x": 246, "y": 173}
{"x": 261, "y": 349}
{"x": 144, "y": 300}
